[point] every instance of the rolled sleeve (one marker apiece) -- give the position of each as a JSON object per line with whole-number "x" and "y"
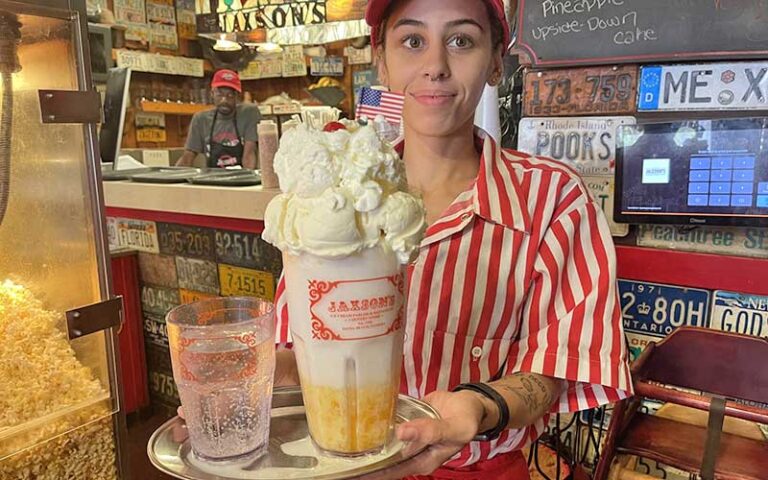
{"x": 571, "y": 326}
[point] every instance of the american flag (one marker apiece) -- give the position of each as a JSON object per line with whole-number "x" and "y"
{"x": 375, "y": 102}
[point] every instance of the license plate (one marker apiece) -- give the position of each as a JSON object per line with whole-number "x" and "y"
{"x": 588, "y": 144}
{"x": 137, "y": 234}
{"x": 158, "y": 270}
{"x": 603, "y": 189}
{"x": 237, "y": 281}
{"x": 162, "y": 385}
{"x": 112, "y": 237}
{"x": 740, "y": 313}
{"x": 580, "y": 91}
{"x": 196, "y": 274}
{"x": 239, "y": 248}
{"x": 158, "y": 300}
{"x": 188, "y": 296}
{"x": 155, "y": 330}
{"x": 735, "y": 241}
{"x": 194, "y": 242}
{"x": 712, "y": 86}
{"x": 656, "y": 310}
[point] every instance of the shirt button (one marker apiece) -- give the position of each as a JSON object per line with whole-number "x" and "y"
{"x": 477, "y": 352}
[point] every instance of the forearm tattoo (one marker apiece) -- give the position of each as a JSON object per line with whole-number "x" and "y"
{"x": 534, "y": 394}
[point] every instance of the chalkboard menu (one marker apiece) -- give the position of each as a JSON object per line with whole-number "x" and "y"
{"x": 582, "y": 32}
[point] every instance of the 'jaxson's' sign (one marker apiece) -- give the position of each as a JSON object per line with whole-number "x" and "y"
{"x": 247, "y": 15}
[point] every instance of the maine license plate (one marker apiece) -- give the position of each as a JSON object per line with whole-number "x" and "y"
{"x": 740, "y": 313}
{"x": 652, "y": 311}
{"x": 580, "y": 91}
{"x": 587, "y": 144}
{"x": 712, "y": 86}
{"x": 237, "y": 281}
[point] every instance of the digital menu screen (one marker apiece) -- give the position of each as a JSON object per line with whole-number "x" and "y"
{"x": 712, "y": 172}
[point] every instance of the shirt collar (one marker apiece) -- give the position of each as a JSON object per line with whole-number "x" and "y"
{"x": 497, "y": 194}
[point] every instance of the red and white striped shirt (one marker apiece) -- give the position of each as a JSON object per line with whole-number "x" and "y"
{"x": 518, "y": 275}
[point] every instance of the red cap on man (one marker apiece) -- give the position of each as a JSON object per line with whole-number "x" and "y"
{"x": 227, "y": 78}
{"x": 376, "y": 9}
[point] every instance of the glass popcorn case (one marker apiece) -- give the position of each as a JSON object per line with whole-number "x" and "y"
{"x": 59, "y": 399}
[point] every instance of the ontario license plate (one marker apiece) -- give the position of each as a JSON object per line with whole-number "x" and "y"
{"x": 740, "y": 313}
{"x": 237, "y": 281}
{"x": 580, "y": 91}
{"x": 587, "y": 144}
{"x": 656, "y": 310}
{"x": 711, "y": 86}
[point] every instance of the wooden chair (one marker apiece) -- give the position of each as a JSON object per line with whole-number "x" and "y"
{"x": 726, "y": 367}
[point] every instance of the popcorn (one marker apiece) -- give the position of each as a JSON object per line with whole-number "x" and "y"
{"x": 41, "y": 376}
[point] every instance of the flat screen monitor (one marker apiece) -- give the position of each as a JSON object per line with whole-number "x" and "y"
{"x": 702, "y": 172}
{"x": 115, "y": 104}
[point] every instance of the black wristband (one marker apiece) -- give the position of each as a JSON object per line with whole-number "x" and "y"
{"x": 489, "y": 392}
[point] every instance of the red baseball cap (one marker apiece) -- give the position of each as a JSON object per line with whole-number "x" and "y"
{"x": 227, "y": 78}
{"x": 376, "y": 8}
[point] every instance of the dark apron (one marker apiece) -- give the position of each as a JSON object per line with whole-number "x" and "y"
{"x": 219, "y": 155}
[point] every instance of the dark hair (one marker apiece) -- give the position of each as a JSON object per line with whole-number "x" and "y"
{"x": 497, "y": 29}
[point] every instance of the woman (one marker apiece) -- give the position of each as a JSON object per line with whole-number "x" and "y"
{"x": 512, "y": 309}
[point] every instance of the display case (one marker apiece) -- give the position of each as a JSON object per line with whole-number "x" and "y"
{"x": 59, "y": 396}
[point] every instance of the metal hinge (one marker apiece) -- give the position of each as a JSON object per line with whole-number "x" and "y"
{"x": 70, "y": 106}
{"x": 94, "y": 318}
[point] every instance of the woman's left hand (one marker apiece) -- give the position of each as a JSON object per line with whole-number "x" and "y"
{"x": 461, "y": 414}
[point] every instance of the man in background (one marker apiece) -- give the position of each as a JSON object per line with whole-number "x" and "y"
{"x": 226, "y": 135}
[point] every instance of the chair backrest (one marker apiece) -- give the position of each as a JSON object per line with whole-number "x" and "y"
{"x": 712, "y": 361}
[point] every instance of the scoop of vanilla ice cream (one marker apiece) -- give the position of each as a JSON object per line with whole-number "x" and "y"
{"x": 343, "y": 191}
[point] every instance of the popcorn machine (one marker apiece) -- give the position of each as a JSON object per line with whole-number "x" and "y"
{"x": 59, "y": 397}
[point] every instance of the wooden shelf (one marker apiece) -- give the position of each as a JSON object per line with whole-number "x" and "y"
{"x": 174, "y": 108}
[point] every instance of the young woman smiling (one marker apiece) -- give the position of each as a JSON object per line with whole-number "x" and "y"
{"x": 512, "y": 312}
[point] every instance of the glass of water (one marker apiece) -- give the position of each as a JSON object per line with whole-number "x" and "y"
{"x": 223, "y": 355}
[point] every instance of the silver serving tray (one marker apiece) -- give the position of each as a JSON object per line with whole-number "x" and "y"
{"x": 291, "y": 454}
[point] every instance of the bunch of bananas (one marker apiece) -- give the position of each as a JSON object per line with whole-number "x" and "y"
{"x": 326, "y": 82}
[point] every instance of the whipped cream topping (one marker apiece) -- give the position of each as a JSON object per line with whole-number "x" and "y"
{"x": 343, "y": 191}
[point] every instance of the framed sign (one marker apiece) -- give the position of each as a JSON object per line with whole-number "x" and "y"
{"x": 294, "y": 64}
{"x": 329, "y": 66}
